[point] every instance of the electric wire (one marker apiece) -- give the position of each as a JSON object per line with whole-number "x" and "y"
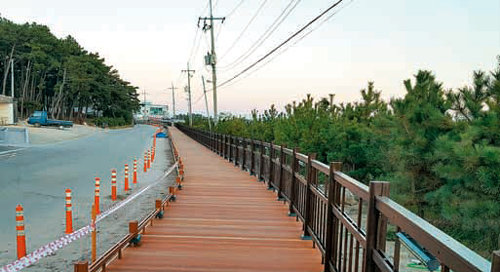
{"x": 245, "y": 28}
{"x": 234, "y": 9}
{"x": 281, "y": 44}
{"x": 286, "y": 49}
{"x": 269, "y": 31}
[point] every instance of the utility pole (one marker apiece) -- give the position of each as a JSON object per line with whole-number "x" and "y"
{"x": 186, "y": 89}
{"x": 173, "y": 98}
{"x": 188, "y": 71}
{"x": 211, "y": 59}
{"x": 12, "y": 77}
{"x": 206, "y": 103}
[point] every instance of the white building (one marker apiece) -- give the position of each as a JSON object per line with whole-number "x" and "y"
{"x": 7, "y": 115}
{"x": 149, "y": 109}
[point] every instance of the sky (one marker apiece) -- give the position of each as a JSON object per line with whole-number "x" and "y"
{"x": 385, "y": 41}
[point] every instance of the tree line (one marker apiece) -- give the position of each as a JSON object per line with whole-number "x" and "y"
{"x": 439, "y": 148}
{"x": 59, "y": 76}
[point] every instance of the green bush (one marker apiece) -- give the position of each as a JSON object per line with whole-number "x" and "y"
{"x": 110, "y": 122}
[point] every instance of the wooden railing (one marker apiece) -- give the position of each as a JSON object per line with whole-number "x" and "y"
{"x": 347, "y": 220}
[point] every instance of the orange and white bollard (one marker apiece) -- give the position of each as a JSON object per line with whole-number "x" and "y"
{"x": 149, "y": 159}
{"x": 97, "y": 195}
{"x": 69, "y": 213}
{"x": 113, "y": 184}
{"x": 145, "y": 162}
{"x": 134, "y": 179}
{"x": 21, "y": 238}
{"x": 126, "y": 178}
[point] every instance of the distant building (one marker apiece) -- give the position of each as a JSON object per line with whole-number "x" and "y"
{"x": 7, "y": 114}
{"x": 149, "y": 109}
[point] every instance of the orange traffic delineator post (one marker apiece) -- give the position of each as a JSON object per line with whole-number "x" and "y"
{"x": 149, "y": 159}
{"x": 153, "y": 154}
{"x": 145, "y": 162}
{"x": 134, "y": 179}
{"x": 126, "y": 178}
{"x": 113, "y": 184}
{"x": 21, "y": 238}
{"x": 69, "y": 215}
{"x": 97, "y": 195}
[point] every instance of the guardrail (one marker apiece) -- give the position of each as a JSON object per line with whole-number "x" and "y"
{"x": 322, "y": 197}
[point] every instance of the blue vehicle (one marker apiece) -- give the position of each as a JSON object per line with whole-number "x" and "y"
{"x": 39, "y": 118}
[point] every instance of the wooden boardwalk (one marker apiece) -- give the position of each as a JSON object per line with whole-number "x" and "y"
{"x": 223, "y": 220}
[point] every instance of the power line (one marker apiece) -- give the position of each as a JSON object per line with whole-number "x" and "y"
{"x": 295, "y": 42}
{"x": 245, "y": 28}
{"x": 269, "y": 31}
{"x": 234, "y": 9}
{"x": 281, "y": 44}
{"x": 196, "y": 45}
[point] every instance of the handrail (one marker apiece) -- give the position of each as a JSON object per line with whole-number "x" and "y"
{"x": 440, "y": 244}
{"x": 322, "y": 197}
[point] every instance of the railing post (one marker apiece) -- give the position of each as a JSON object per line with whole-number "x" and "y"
{"x": 307, "y": 216}
{"x": 219, "y": 144}
{"x": 236, "y": 151}
{"x": 252, "y": 157}
{"x": 376, "y": 228}
{"x": 133, "y": 227}
{"x": 230, "y": 148}
{"x": 334, "y": 167}
{"x": 271, "y": 167}
{"x": 212, "y": 139}
{"x": 244, "y": 159}
{"x": 215, "y": 142}
{"x": 82, "y": 266}
{"x": 280, "y": 183}
{"x": 495, "y": 261}
{"x": 294, "y": 167}
{"x": 261, "y": 161}
{"x": 223, "y": 146}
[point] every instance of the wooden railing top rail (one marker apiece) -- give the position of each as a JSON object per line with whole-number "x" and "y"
{"x": 438, "y": 243}
{"x": 301, "y": 157}
{"x": 356, "y": 187}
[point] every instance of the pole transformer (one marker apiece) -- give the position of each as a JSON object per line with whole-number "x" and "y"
{"x": 211, "y": 58}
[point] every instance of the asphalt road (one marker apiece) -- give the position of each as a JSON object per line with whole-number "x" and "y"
{"x": 37, "y": 177}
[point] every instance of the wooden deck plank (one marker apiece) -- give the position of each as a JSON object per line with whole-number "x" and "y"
{"x": 223, "y": 220}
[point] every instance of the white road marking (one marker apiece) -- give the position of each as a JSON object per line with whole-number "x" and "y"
{"x": 11, "y": 153}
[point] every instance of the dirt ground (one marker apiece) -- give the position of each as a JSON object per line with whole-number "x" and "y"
{"x": 49, "y": 135}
